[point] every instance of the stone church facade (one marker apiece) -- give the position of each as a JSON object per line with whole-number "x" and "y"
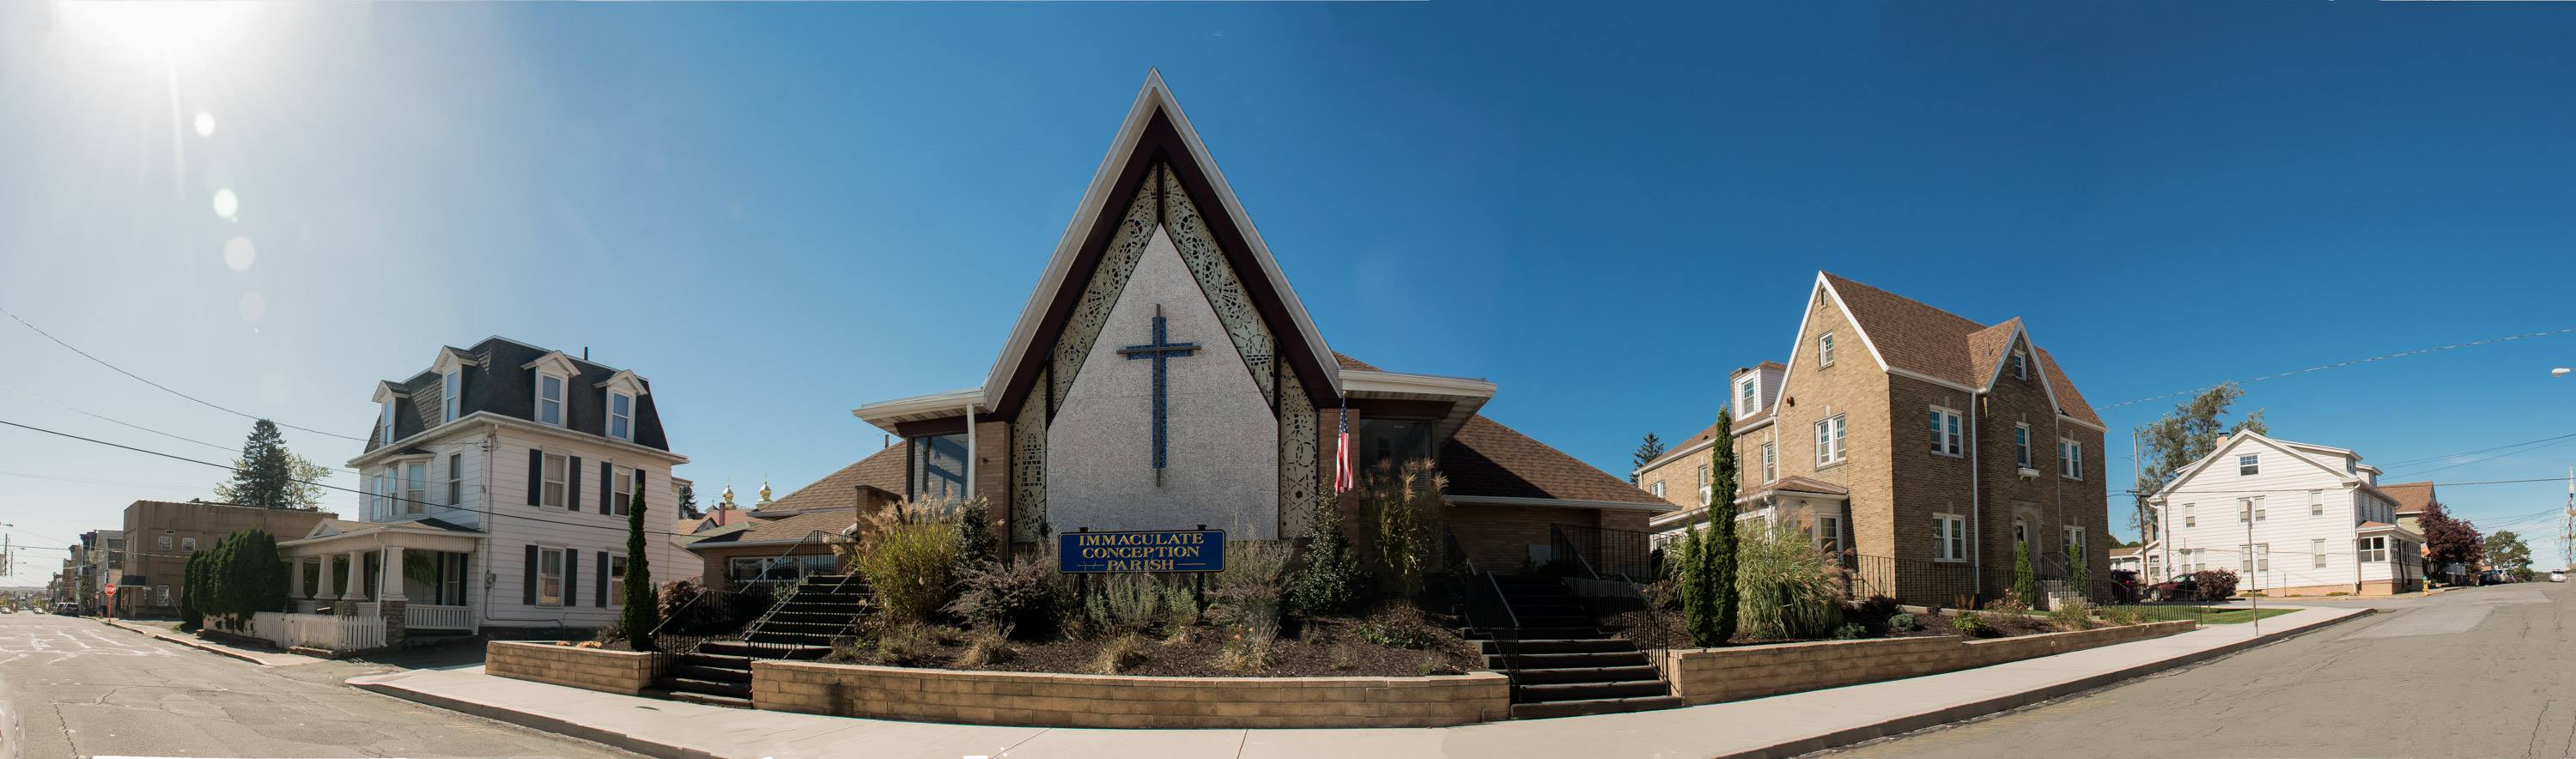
{"x": 1164, "y": 375}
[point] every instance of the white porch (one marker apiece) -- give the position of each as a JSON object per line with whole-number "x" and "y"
{"x": 357, "y": 569}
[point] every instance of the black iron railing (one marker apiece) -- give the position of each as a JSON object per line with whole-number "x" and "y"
{"x": 1483, "y": 605}
{"x": 1944, "y": 583}
{"x": 669, "y": 645}
{"x": 1607, "y": 553}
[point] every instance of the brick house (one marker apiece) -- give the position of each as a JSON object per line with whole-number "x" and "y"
{"x": 1164, "y": 376}
{"x": 166, "y": 533}
{"x": 782, "y": 541}
{"x": 1919, "y": 444}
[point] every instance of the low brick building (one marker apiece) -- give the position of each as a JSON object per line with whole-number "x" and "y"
{"x": 161, "y": 535}
{"x": 781, "y": 541}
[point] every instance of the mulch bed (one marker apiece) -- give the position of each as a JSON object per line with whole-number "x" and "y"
{"x": 1325, "y": 647}
{"x": 1639, "y": 627}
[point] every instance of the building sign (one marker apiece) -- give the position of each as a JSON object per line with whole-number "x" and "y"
{"x": 1142, "y": 551}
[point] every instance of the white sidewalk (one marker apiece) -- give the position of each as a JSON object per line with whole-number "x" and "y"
{"x": 1780, "y": 725}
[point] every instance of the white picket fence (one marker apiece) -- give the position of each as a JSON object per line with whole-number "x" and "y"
{"x": 434, "y": 617}
{"x": 325, "y": 631}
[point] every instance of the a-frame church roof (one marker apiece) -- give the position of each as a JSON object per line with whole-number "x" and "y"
{"x": 1156, "y": 130}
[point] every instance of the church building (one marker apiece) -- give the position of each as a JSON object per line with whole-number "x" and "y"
{"x": 1164, "y": 376}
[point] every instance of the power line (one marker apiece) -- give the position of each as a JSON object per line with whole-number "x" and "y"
{"x": 2431, "y": 459}
{"x": 173, "y": 436}
{"x": 163, "y": 388}
{"x": 391, "y": 498}
{"x": 2355, "y": 362}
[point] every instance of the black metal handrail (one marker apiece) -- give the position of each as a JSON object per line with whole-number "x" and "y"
{"x": 1567, "y": 544}
{"x": 1611, "y": 552}
{"x": 1869, "y": 576}
{"x": 1478, "y": 598}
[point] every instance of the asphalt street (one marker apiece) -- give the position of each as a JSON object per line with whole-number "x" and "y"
{"x": 2472, "y": 672}
{"x": 73, "y": 687}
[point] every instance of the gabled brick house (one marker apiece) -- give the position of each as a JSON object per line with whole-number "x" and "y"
{"x": 1919, "y": 444}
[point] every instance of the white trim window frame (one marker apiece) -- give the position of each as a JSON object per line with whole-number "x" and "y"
{"x": 2249, "y": 510}
{"x": 1658, "y": 487}
{"x": 1825, "y": 349}
{"x": 450, "y": 385}
{"x": 621, "y": 416}
{"x": 385, "y": 423}
{"x": 1828, "y": 533}
{"x": 2021, "y": 444}
{"x": 2189, "y": 519}
{"x": 2369, "y": 550}
{"x": 2317, "y": 546}
{"x": 2021, "y": 365}
{"x": 622, "y": 481}
{"x": 2249, "y": 465}
{"x": 550, "y": 410}
{"x": 616, "y": 581}
{"x": 415, "y": 487}
{"x": 1949, "y": 537}
{"x": 551, "y": 481}
{"x": 550, "y": 576}
{"x": 2316, "y": 503}
{"x": 1745, "y": 403}
{"x": 455, "y": 479}
{"x": 1770, "y": 463}
{"x": 1830, "y": 444}
{"x": 2070, "y": 538}
{"x": 1946, "y": 438}
{"x": 2070, "y": 459}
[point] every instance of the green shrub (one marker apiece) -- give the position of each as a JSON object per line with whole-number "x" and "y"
{"x": 1020, "y": 597}
{"x": 1251, "y": 592}
{"x": 912, "y": 567}
{"x": 1970, "y": 623}
{"x": 1902, "y": 622}
{"x": 190, "y": 617}
{"x": 2123, "y": 615}
{"x": 2025, "y": 585}
{"x": 1330, "y": 581}
{"x": 1851, "y": 631}
{"x": 1784, "y": 586}
{"x": 1405, "y": 507}
{"x": 976, "y": 543}
{"x": 1397, "y": 626}
{"x": 1876, "y": 607}
{"x": 1124, "y": 604}
{"x": 2072, "y": 615}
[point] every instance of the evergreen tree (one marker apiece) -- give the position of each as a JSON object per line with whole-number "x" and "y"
{"x": 976, "y": 543}
{"x": 1331, "y": 580}
{"x": 643, "y": 610}
{"x": 2025, "y": 582}
{"x": 1697, "y": 588}
{"x": 269, "y": 476}
{"x": 1646, "y": 453}
{"x": 688, "y": 497}
{"x": 1721, "y": 528}
{"x": 192, "y": 582}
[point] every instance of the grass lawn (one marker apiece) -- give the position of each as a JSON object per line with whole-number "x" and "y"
{"x": 2205, "y": 614}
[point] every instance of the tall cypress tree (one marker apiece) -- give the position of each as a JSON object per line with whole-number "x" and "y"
{"x": 643, "y": 610}
{"x": 1721, "y": 528}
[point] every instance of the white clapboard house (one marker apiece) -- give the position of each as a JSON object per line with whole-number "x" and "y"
{"x": 2290, "y": 518}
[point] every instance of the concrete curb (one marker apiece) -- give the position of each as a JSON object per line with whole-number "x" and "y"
{"x": 201, "y": 646}
{"x": 527, "y": 720}
{"x": 1911, "y": 723}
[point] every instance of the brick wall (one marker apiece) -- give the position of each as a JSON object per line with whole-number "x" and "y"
{"x": 627, "y": 672}
{"x": 1715, "y": 675}
{"x": 1109, "y": 701}
{"x": 1497, "y": 538}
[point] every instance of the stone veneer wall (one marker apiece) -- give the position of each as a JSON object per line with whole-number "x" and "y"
{"x": 1056, "y": 700}
{"x": 627, "y": 672}
{"x": 1714, "y": 675}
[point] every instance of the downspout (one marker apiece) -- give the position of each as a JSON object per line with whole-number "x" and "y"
{"x": 970, "y": 453}
{"x": 1977, "y": 555}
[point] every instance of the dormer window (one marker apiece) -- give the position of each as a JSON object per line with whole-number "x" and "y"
{"x": 385, "y": 423}
{"x": 2021, "y": 365}
{"x": 450, "y": 385}
{"x": 1744, "y": 398}
{"x": 621, "y": 416}
{"x": 550, "y": 398}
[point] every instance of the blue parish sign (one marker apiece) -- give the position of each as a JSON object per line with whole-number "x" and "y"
{"x": 1143, "y": 551}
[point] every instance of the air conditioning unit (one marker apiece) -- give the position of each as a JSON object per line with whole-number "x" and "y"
{"x": 2028, "y": 473}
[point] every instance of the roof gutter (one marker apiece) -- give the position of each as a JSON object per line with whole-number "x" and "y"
{"x": 1498, "y": 500}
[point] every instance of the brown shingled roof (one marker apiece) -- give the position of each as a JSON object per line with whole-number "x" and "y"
{"x": 798, "y": 526}
{"x": 1486, "y": 458}
{"x": 839, "y": 490}
{"x": 1946, "y": 346}
{"x": 1353, "y": 363}
{"x": 2411, "y": 497}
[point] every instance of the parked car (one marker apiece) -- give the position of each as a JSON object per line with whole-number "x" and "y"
{"x": 2493, "y": 577}
{"x": 2124, "y": 586}
{"x": 67, "y": 609}
{"x": 2181, "y": 587}
{"x": 2557, "y": 577}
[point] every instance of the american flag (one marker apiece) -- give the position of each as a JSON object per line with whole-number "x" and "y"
{"x": 1342, "y": 479}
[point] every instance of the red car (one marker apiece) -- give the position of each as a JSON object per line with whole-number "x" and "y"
{"x": 2124, "y": 586}
{"x": 2181, "y": 587}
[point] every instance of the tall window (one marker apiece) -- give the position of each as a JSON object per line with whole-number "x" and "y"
{"x": 2021, "y": 365}
{"x": 415, "y": 486}
{"x": 616, "y": 581}
{"x": 938, "y": 468}
{"x": 621, "y": 416}
{"x": 1825, "y": 349}
{"x": 1770, "y": 463}
{"x": 2073, "y": 538}
{"x": 455, "y": 479}
{"x": 2021, "y": 444}
{"x": 383, "y": 494}
{"x": 550, "y": 576}
{"x": 1949, "y": 537}
{"x": 1658, "y": 487}
{"x": 2371, "y": 549}
{"x": 2254, "y": 558}
{"x": 1705, "y": 497}
{"x": 2249, "y": 510}
{"x": 1393, "y": 441}
{"x": 1829, "y": 534}
{"x": 385, "y": 423}
{"x": 2317, "y": 548}
{"x": 2070, "y": 459}
{"x": 553, "y": 482}
{"x": 1945, "y": 431}
{"x": 2187, "y": 519}
{"x": 1829, "y": 441}
{"x": 621, "y": 481}
{"x": 2316, "y": 503}
{"x": 1744, "y": 397}
{"x": 550, "y": 399}
{"x": 450, "y": 385}
{"x": 2249, "y": 465}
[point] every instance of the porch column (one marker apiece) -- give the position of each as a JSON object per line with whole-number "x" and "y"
{"x": 390, "y": 579}
{"x": 295, "y": 579}
{"x": 352, "y": 587}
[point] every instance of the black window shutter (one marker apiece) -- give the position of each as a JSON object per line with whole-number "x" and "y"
{"x": 528, "y": 589}
{"x": 572, "y": 577}
{"x": 536, "y": 481}
{"x": 638, "y": 504}
{"x": 607, "y": 482}
{"x": 572, "y": 490}
{"x": 465, "y": 583}
{"x": 600, "y": 598}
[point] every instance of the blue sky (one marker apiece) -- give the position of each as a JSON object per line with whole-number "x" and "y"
{"x": 779, "y": 212}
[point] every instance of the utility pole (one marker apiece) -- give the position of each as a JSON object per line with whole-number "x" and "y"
{"x": 2256, "y": 599}
{"x": 2567, "y": 535}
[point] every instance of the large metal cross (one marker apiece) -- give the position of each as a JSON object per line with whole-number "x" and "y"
{"x": 1159, "y": 350}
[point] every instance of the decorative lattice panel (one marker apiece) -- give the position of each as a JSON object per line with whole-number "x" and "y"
{"x": 1217, "y": 278}
{"x": 1119, "y": 261}
{"x": 1299, "y": 472}
{"x": 1028, "y": 457}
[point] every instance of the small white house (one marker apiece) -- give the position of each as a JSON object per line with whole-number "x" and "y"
{"x": 2291, "y": 519}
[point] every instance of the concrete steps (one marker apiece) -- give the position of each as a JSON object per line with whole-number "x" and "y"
{"x": 803, "y": 626}
{"x": 1560, "y": 662}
